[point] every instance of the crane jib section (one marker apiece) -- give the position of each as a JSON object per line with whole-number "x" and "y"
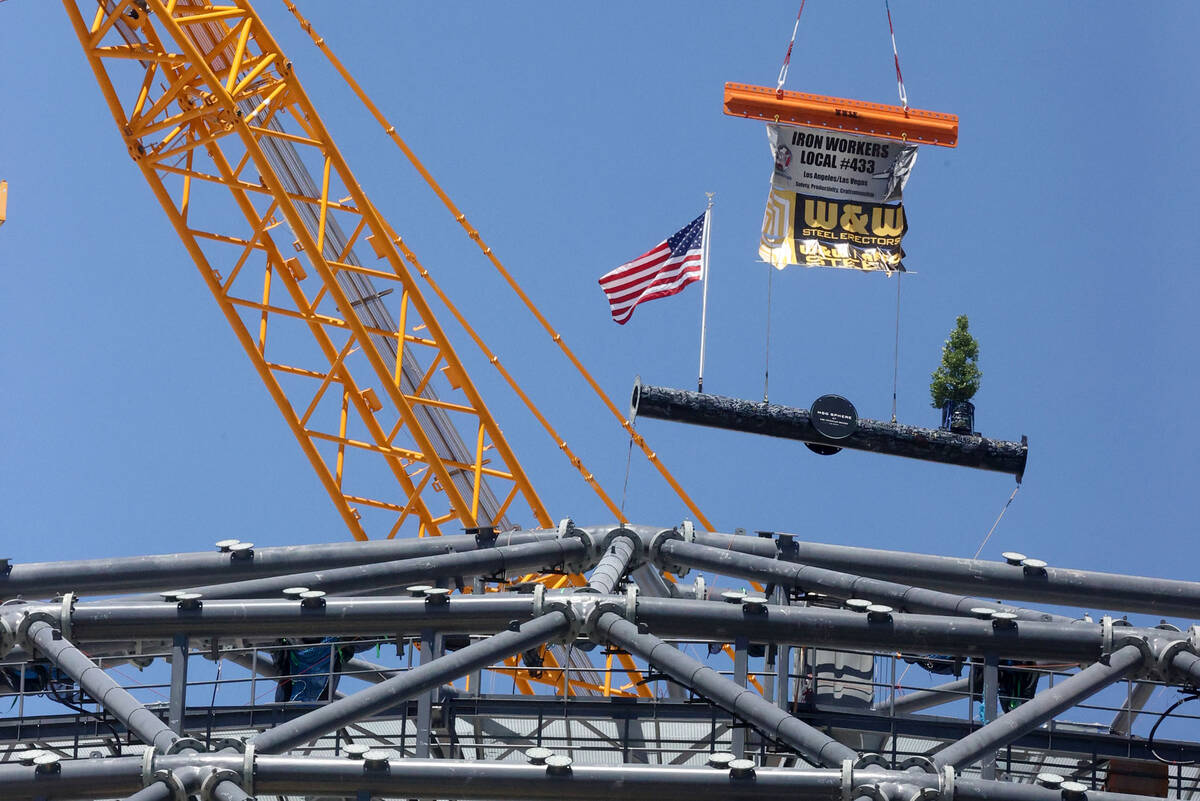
{"x": 269, "y": 211}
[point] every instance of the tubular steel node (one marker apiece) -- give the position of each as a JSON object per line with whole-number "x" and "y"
{"x": 266, "y": 678}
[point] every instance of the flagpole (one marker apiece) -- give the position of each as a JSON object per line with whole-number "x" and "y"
{"x": 704, "y": 281}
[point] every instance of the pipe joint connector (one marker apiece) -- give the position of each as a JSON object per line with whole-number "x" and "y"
{"x": 208, "y": 787}
{"x": 641, "y": 552}
{"x": 568, "y": 530}
{"x": 685, "y": 532}
{"x": 1148, "y": 664}
{"x": 567, "y": 606}
{"x": 40, "y": 614}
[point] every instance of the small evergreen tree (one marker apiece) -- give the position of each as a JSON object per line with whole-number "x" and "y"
{"x": 957, "y": 378}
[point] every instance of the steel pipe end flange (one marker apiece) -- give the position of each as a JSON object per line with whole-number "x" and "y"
{"x": 64, "y": 615}
{"x": 872, "y": 791}
{"x": 227, "y": 744}
{"x": 185, "y": 744}
{"x": 209, "y": 785}
{"x": 178, "y": 791}
{"x": 539, "y": 600}
{"x": 720, "y": 760}
{"x": 946, "y": 782}
{"x": 565, "y": 527}
{"x": 376, "y": 759}
{"x": 878, "y": 760}
{"x": 847, "y": 780}
{"x": 27, "y": 620}
{"x": 655, "y": 555}
{"x": 248, "y": 768}
{"x": 1165, "y": 651}
{"x": 687, "y": 530}
{"x": 592, "y": 549}
{"x": 925, "y": 764}
{"x": 1193, "y": 638}
{"x": 8, "y": 637}
{"x": 1149, "y": 657}
{"x": 631, "y": 596}
{"x": 563, "y": 605}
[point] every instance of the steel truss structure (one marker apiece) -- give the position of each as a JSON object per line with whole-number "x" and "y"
{"x": 727, "y": 736}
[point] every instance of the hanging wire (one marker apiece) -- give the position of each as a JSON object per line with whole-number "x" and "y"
{"x": 896, "y": 358}
{"x": 767, "y": 347}
{"x": 787, "y": 59}
{"x": 993, "y": 528}
{"x": 896, "y": 58}
{"x": 1190, "y": 695}
{"x": 625, "y": 486}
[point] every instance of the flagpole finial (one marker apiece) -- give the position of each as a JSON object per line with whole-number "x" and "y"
{"x": 710, "y": 196}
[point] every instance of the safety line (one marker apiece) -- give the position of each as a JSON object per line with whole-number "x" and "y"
{"x": 1002, "y": 511}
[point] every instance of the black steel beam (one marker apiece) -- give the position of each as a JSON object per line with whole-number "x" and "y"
{"x": 774, "y": 420}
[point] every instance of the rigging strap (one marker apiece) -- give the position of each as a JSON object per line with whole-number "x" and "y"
{"x": 787, "y": 59}
{"x": 895, "y": 56}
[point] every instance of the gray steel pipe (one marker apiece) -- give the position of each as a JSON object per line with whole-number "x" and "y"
{"x": 1050, "y": 702}
{"x": 386, "y": 615}
{"x": 412, "y": 682}
{"x": 933, "y": 696}
{"x": 612, "y": 566}
{"x": 402, "y": 572}
{"x": 1187, "y": 665}
{"x": 836, "y": 628}
{"x": 100, "y": 686}
{"x": 172, "y": 571}
{"x": 478, "y": 780}
{"x": 832, "y": 582}
{"x": 775, "y": 723}
{"x": 734, "y": 414}
{"x": 1090, "y": 589}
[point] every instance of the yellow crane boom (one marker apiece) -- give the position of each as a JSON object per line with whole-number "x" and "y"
{"x": 214, "y": 117}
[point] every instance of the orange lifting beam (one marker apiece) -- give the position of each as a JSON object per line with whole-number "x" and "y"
{"x": 838, "y": 114}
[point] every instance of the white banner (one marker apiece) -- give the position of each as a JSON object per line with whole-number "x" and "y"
{"x": 839, "y": 166}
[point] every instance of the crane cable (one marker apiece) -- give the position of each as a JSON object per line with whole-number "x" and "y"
{"x": 475, "y": 236}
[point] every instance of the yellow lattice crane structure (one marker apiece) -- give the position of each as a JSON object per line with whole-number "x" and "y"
{"x": 212, "y": 114}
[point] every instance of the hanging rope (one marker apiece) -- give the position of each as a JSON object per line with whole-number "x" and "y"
{"x": 625, "y": 486}
{"x": 993, "y": 528}
{"x": 767, "y": 347}
{"x": 787, "y": 59}
{"x": 896, "y": 57}
{"x": 896, "y": 358}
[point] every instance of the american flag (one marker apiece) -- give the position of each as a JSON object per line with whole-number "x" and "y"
{"x": 659, "y": 273}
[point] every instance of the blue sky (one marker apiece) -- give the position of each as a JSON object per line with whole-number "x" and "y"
{"x": 577, "y": 136}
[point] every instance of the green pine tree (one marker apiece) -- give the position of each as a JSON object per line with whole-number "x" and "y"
{"x": 957, "y": 378}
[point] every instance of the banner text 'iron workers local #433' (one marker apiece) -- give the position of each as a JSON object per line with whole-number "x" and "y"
{"x": 835, "y": 200}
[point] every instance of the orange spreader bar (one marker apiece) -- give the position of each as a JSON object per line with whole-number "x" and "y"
{"x": 838, "y": 114}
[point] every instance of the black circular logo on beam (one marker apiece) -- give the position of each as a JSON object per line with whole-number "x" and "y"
{"x": 833, "y": 417}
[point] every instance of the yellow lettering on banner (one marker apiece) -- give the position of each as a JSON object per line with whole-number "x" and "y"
{"x": 887, "y": 221}
{"x": 853, "y": 219}
{"x": 820, "y": 214}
